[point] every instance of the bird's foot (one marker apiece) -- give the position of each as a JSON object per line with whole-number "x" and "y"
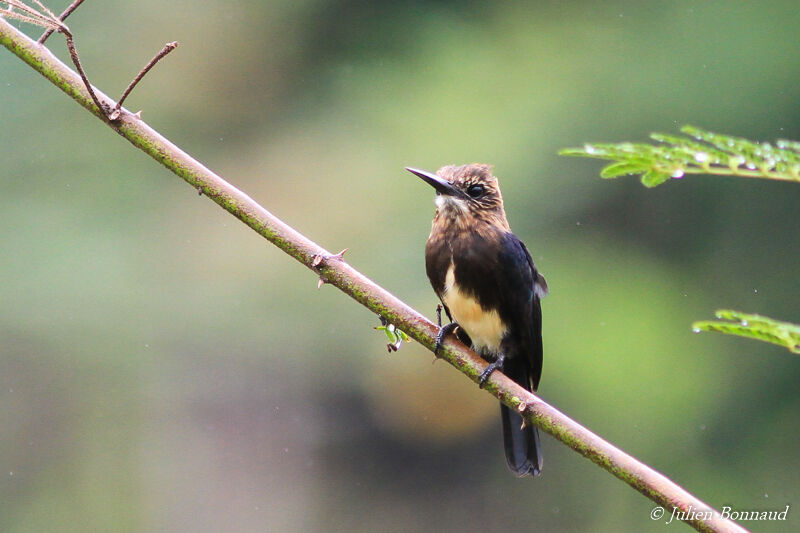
{"x": 443, "y": 332}
{"x": 497, "y": 364}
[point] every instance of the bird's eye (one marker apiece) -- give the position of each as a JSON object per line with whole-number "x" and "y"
{"x": 475, "y": 191}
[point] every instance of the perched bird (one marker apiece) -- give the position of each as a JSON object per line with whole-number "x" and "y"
{"x": 490, "y": 289}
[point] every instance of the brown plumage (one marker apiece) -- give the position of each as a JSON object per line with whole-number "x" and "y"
{"x": 490, "y": 288}
{"x": 487, "y": 211}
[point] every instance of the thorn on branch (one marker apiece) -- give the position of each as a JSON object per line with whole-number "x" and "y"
{"x": 67, "y": 12}
{"x": 318, "y": 259}
{"x": 521, "y": 408}
{"x": 169, "y": 47}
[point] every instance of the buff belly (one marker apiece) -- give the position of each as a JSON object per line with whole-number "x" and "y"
{"x": 484, "y": 327}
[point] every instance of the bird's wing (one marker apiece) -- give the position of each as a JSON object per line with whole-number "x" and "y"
{"x": 522, "y": 287}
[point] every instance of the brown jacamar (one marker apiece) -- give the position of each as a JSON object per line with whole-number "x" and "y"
{"x": 490, "y": 289}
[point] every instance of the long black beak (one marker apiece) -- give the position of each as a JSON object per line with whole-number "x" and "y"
{"x": 442, "y": 186}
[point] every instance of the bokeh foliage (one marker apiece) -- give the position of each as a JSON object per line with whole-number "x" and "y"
{"x": 163, "y": 369}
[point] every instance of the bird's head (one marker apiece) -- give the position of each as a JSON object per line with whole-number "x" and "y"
{"x": 466, "y": 192}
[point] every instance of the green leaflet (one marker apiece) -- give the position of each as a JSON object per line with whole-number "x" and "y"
{"x": 753, "y": 326}
{"x": 651, "y": 178}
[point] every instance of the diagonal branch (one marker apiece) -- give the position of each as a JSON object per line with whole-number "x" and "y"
{"x": 336, "y": 271}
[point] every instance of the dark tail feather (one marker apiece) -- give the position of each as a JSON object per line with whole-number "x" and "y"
{"x": 523, "y": 451}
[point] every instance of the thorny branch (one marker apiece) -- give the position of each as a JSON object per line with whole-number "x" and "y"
{"x": 336, "y": 271}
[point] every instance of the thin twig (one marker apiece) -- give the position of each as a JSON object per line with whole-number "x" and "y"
{"x": 638, "y": 475}
{"x": 73, "y": 53}
{"x": 169, "y": 47}
{"x": 52, "y": 23}
{"x": 31, "y": 16}
{"x": 67, "y": 12}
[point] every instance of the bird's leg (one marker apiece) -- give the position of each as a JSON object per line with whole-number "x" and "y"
{"x": 443, "y": 332}
{"x": 439, "y": 315}
{"x": 497, "y": 364}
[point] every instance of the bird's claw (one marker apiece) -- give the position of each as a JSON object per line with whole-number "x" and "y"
{"x": 443, "y": 332}
{"x": 497, "y": 364}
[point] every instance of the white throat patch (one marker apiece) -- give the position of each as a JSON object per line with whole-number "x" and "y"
{"x": 450, "y": 205}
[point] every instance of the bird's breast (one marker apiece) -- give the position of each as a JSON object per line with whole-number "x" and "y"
{"x": 483, "y": 326}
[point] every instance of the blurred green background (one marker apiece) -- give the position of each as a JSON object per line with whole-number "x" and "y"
{"x": 163, "y": 368}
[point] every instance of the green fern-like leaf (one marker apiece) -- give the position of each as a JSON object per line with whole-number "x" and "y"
{"x": 698, "y": 152}
{"x": 755, "y": 327}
